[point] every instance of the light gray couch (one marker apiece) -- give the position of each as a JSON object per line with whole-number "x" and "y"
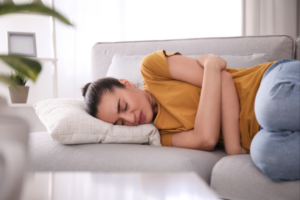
{"x": 297, "y": 48}
{"x": 232, "y": 177}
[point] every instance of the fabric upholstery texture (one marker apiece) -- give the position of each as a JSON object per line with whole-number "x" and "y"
{"x": 297, "y": 48}
{"x": 275, "y": 47}
{"x": 236, "y": 177}
{"x": 127, "y": 67}
{"x": 48, "y": 155}
{"x": 239, "y": 61}
{"x": 68, "y": 123}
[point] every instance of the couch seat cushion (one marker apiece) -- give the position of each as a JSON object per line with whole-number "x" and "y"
{"x": 237, "y": 178}
{"x": 49, "y": 155}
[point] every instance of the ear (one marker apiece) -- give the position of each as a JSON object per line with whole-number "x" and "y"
{"x": 127, "y": 83}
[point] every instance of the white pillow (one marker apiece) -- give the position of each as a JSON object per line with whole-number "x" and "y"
{"x": 128, "y": 66}
{"x": 68, "y": 123}
{"x": 239, "y": 61}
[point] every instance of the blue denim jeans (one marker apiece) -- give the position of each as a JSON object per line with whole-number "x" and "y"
{"x": 275, "y": 148}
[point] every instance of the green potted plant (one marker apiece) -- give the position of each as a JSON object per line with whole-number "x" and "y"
{"x": 19, "y": 93}
{"x": 26, "y": 66}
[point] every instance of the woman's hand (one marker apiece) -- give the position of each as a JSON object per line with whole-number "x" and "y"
{"x": 211, "y": 60}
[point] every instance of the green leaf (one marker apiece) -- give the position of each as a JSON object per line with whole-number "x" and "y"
{"x": 8, "y": 81}
{"x": 25, "y": 66}
{"x": 8, "y": 8}
{"x": 18, "y": 78}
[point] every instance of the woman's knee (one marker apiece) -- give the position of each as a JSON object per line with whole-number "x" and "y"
{"x": 261, "y": 154}
{"x": 266, "y": 110}
{"x": 278, "y": 99}
{"x": 278, "y": 108}
{"x": 274, "y": 154}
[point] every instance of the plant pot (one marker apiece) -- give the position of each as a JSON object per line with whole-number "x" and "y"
{"x": 19, "y": 96}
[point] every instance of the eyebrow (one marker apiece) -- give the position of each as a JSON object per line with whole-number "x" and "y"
{"x": 118, "y": 111}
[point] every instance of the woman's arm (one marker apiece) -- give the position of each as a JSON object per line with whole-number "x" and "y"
{"x": 208, "y": 118}
{"x": 230, "y": 110}
{"x": 189, "y": 70}
{"x": 206, "y": 131}
{"x": 230, "y": 116}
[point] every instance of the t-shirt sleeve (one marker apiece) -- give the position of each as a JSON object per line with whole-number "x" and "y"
{"x": 166, "y": 139}
{"x": 155, "y": 66}
{"x": 155, "y": 71}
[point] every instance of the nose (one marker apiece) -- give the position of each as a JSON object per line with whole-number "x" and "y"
{"x": 129, "y": 119}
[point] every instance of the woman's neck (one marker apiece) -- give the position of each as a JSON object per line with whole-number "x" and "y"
{"x": 154, "y": 107}
{"x": 153, "y": 103}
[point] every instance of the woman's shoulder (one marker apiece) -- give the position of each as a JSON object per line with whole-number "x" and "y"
{"x": 157, "y": 58}
{"x": 155, "y": 66}
{"x": 152, "y": 57}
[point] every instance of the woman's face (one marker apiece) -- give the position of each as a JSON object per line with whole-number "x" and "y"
{"x": 129, "y": 106}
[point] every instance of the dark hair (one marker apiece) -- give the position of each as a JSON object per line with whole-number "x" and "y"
{"x": 94, "y": 91}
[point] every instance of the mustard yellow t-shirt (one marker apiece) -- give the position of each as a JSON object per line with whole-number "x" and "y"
{"x": 178, "y": 101}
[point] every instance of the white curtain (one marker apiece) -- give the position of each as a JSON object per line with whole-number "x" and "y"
{"x": 271, "y": 17}
{"x": 128, "y": 20}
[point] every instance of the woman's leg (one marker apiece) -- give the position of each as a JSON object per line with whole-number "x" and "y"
{"x": 276, "y": 154}
{"x": 275, "y": 148}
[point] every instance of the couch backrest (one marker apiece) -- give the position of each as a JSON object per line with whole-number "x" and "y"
{"x": 297, "y": 48}
{"x": 276, "y": 47}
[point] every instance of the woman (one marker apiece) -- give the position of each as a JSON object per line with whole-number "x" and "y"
{"x": 222, "y": 114}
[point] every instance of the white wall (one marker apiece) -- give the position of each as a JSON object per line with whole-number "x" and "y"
{"x": 42, "y": 89}
{"x": 38, "y": 24}
{"x": 42, "y": 27}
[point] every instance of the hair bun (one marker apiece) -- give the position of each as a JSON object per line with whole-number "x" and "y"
{"x": 85, "y": 88}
